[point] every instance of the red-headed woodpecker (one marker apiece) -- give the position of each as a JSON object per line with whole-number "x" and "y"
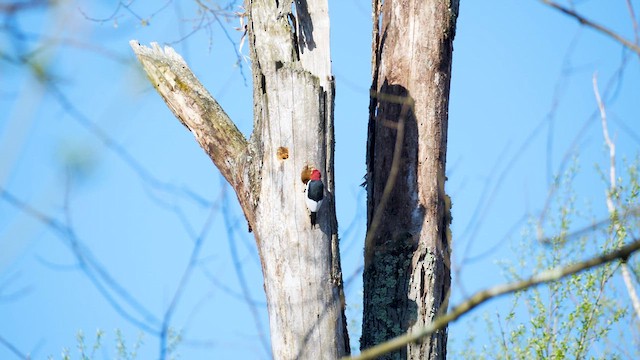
{"x": 314, "y": 194}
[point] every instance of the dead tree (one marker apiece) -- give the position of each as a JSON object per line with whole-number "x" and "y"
{"x": 293, "y": 102}
{"x": 407, "y": 268}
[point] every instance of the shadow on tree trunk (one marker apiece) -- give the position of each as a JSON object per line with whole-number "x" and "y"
{"x": 388, "y": 264}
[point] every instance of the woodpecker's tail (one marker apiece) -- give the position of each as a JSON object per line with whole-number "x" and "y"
{"x": 313, "y": 218}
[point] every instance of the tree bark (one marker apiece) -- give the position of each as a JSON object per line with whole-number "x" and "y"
{"x": 293, "y": 129}
{"x": 407, "y": 249}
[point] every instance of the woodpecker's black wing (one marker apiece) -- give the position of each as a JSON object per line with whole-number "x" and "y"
{"x": 316, "y": 190}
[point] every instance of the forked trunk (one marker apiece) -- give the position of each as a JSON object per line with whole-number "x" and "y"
{"x": 293, "y": 129}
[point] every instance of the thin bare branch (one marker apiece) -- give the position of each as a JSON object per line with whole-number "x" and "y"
{"x": 584, "y": 21}
{"x": 483, "y": 296}
{"x": 634, "y": 22}
{"x": 97, "y": 274}
{"x": 575, "y": 145}
{"x": 610, "y": 192}
{"x": 609, "y": 142}
{"x": 629, "y": 213}
{"x": 407, "y": 106}
{"x": 13, "y": 349}
{"x": 628, "y": 282}
{"x": 123, "y": 6}
{"x": 242, "y": 280}
{"x": 186, "y": 276}
{"x": 120, "y": 151}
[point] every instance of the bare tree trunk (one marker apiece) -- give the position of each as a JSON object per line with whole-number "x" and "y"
{"x": 407, "y": 250}
{"x": 293, "y": 109}
{"x": 293, "y": 129}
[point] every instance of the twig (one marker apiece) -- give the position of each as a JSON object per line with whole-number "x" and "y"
{"x": 594, "y": 226}
{"x": 242, "y": 280}
{"x": 612, "y": 188}
{"x": 13, "y": 349}
{"x": 120, "y": 151}
{"x": 584, "y": 21}
{"x": 481, "y": 297}
{"x": 634, "y": 22}
{"x": 186, "y": 275}
{"x": 626, "y": 276}
{"x": 612, "y": 83}
{"x": 99, "y": 277}
{"x": 610, "y": 145}
{"x": 407, "y": 105}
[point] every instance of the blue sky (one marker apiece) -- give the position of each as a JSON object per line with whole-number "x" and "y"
{"x": 521, "y": 96}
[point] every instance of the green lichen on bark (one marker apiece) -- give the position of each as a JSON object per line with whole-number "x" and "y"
{"x": 390, "y": 266}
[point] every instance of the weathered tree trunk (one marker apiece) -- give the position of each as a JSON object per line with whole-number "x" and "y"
{"x": 407, "y": 268}
{"x": 293, "y": 128}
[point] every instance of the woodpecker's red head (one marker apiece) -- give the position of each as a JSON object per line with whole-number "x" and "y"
{"x": 315, "y": 174}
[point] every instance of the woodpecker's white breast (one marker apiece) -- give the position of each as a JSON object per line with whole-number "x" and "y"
{"x": 314, "y": 194}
